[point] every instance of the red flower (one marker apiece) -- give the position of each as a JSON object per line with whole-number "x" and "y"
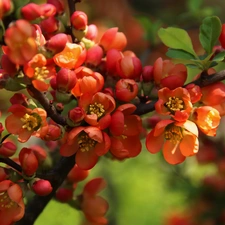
{"x": 178, "y": 140}
{"x": 176, "y": 103}
{"x": 38, "y": 70}
{"x": 88, "y": 143}
{"x": 12, "y": 205}
{"x": 98, "y": 108}
{"x": 25, "y": 122}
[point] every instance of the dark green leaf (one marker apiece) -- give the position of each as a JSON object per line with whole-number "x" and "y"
{"x": 179, "y": 54}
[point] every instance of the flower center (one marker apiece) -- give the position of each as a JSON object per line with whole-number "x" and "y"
{"x": 5, "y": 201}
{"x": 173, "y": 134}
{"x": 41, "y": 73}
{"x": 97, "y": 108}
{"x": 174, "y": 104}
{"x": 85, "y": 143}
{"x": 31, "y": 122}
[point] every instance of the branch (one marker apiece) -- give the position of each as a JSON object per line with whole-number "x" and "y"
{"x": 49, "y": 108}
{"x": 38, "y": 203}
{"x": 143, "y": 108}
{"x": 11, "y": 163}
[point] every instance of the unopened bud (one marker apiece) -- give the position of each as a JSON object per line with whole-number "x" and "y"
{"x": 41, "y": 187}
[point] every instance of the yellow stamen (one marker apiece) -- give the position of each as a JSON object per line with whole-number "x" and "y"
{"x": 174, "y": 104}
{"x": 31, "y": 122}
{"x": 6, "y": 202}
{"x": 97, "y": 108}
{"x": 173, "y": 134}
{"x": 86, "y": 143}
{"x": 41, "y": 73}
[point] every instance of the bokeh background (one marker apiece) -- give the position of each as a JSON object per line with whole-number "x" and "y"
{"x": 146, "y": 190}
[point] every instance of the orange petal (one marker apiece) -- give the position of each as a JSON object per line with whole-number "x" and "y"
{"x": 189, "y": 145}
{"x": 86, "y": 160}
{"x": 154, "y": 143}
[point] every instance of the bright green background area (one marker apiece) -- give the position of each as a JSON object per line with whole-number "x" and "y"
{"x": 138, "y": 193}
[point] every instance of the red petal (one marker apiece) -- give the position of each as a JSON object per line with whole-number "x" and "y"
{"x": 86, "y": 160}
{"x": 154, "y": 144}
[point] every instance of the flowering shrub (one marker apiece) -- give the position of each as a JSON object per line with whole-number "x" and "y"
{"x": 81, "y": 97}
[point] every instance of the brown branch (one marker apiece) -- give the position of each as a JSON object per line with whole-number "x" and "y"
{"x": 143, "y": 108}
{"x": 38, "y": 203}
{"x": 49, "y": 108}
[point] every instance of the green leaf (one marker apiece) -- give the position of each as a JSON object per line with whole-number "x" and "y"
{"x": 176, "y": 38}
{"x": 194, "y": 5}
{"x": 179, "y": 54}
{"x": 219, "y": 57}
{"x": 209, "y": 32}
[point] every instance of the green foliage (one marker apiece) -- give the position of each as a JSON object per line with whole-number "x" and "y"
{"x": 209, "y": 33}
{"x": 177, "y": 38}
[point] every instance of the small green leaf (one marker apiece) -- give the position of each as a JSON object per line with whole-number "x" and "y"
{"x": 176, "y": 38}
{"x": 209, "y": 32}
{"x": 179, "y": 54}
{"x": 219, "y": 57}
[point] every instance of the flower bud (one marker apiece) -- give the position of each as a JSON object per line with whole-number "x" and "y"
{"x": 47, "y": 10}
{"x": 65, "y": 80}
{"x": 129, "y": 67}
{"x": 76, "y": 115}
{"x": 41, "y": 187}
{"x": 92, "y": 32}
{"x": 222, "y": 36}
{"x": 79, "y": 20}
{"x": 28, "y": 161}
{"x": 147, "y": 74}
{"x": 94, "y": 55}
{"x": 49, "y": 25}
{"x": 126, "y": 90}
{"x": 54, "y": 133}
{"x": 112, "y": 57}
{"x": 8, "y": 66}
{"x": 7, "y": 149}
{"x": 31, "y": 11}
{"x": 40, "y": 153}
{"x": 6, "y": 7}
{"x": 59, "y": 5}
{"x": 57, "y": 43}
{"x": 64, "y": 194}
{"x": 113, "y": 39}
{"x": 19, "y": 98}
{"x": 195, "y": 92}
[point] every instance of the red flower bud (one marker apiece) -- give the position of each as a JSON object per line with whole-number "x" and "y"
{"x": 49, "y": 25}
{"x": 6, "y": 6}
{"x": 64, "y": 194}
{"x": 39, "y": 152}
{"x": 8, "y": 66}
{"x": 59, "y": 5}
{"x": 92, "y": 32}
{"x": 112, "y": 57}
{"x": 126, "y": 90}
{"x": 65, "y": 80}
{"x": 76, "y": 114}
{"x": 113, "y": 39}
{"x": 147, "y": 74}
{"x": 47, "y": 10}
{"x": 28, "y": 161}
{"x": 41, "y": 187}
{"x": 7, "y": 149}
{"x": 94, "y": 55}
{"x": 31, "y": 11}
{"x": 57, "y": 42}
{"x": 129, "y": 67}
{"x": 54, "y": 133}
{"x": 79, "y": 20}
{"x": 222, "y": 36}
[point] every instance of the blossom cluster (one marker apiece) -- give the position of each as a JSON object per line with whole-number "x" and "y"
{"x": 77, "y": 93}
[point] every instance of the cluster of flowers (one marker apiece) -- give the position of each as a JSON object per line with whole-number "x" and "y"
{"x": 86, "y": 87}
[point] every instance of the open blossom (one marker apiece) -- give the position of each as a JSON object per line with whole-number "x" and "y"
{"x": 125, "y": 129}
{"x": 94, "y": 206}
{"x": 88, "y": 81}
{"x": 71, "y": 57}
{"x": 207, "y": 119}
{"x": 178, "y": 140}
{"x": 98, "y": 108}
{"x": 25, "y": 122}
{"x": 168, "y": 74}
{"x": 12, "y": 206}
{"x": 176, "y": 103}
{"x": 38, "y": 71}
{"x": 88, "y": 143}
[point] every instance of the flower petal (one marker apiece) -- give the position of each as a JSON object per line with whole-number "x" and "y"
{"x": 154, "y": 143}
{"x": 189, "y": 145}
{"x": 86, "y": 160}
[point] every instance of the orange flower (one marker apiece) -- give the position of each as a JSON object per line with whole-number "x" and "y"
{"x": 178, "y": 140}
{"x": 168, "y": 74}
{"x": 125, "y": 129}
{"x": 71, "y": 57}
{"x": 20, "y": 40}
{"x": 25, "y": 122}
{"x": 12, "y": 205}
{"x": 87, "y": 82}
{"x": 94, "y": 206}
{"x": 207, "y": 119}
{"x": 88, "y": 143}
{"x": 98, "y": 109}
{"x": 176, "y": 103}
{"x": 38, "y": 71}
